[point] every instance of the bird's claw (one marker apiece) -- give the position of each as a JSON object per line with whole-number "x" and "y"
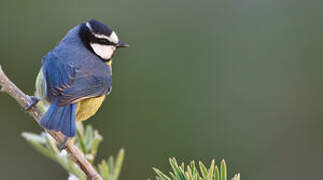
{"x": 61, "y": 147}
{"x": 34, "y": 101}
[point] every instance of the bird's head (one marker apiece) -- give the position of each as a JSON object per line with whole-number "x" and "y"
{"x": 100, "y": 39}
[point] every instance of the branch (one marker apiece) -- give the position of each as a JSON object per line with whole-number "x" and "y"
{"x": 10, "y": 88}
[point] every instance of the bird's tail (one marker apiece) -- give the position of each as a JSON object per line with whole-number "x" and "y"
{"x": 60, "y": 118}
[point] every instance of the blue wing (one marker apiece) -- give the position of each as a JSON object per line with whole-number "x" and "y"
{"x": 73, "y": 83}
{"x": 86, "y": 87}
{"x": 58, "y": 75}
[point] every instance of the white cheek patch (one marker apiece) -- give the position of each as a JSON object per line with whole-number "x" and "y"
{"x": 104, "y": 51}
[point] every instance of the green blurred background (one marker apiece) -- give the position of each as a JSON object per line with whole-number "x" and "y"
{"x": 233, "y": 79}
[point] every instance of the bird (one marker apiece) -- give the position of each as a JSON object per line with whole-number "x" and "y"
{"x": 76, "y": 76}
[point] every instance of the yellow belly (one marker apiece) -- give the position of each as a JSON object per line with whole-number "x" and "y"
{"x": 88, "y": 107}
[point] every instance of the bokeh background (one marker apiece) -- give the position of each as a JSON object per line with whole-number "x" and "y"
{"x": 233, "y": 79}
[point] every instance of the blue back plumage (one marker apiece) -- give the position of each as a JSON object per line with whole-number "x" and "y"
{"x": 71, "y": 73}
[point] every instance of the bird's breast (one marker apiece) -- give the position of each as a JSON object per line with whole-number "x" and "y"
{"x": 88, "y": 107}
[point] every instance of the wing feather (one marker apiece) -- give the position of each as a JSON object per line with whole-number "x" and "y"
{"x": 86, "y": 88}
{"x": 58, "y": 75}
{"x": 74, "y": 84}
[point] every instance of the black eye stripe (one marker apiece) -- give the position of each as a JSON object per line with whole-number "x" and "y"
{"x": 87, "y": 38}
{"x": 87, "y": 35}
{"x": 104, "y": 41}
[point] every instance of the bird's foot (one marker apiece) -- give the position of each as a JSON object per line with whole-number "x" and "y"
{"x": 62, "y": 146}
{"x": 34, "y": 101}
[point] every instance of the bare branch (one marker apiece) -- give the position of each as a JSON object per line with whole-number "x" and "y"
{"x": 10, "y": 88}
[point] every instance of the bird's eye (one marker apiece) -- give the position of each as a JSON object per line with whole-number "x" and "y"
{"x": 104, "y": 41}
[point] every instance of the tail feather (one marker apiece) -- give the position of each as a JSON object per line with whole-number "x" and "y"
{"x": 60, "y": 118}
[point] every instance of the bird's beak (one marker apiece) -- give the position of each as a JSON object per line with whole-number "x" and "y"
{"x": 122, "y": 44}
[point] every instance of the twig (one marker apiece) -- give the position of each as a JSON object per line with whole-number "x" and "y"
{"x": 10, "y": 88}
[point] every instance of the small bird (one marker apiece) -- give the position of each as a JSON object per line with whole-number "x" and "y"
{"x": 76, "y": 76}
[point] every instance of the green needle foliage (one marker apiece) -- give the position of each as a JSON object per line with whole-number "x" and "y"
{"x": 192, "y": 173}
{"x": 88, "y": 141}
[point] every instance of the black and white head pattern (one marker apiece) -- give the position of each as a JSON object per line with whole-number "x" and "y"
{"x": 99, "y": 38}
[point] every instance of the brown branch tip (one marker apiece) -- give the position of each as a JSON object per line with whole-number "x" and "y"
{"x": 78, "y": 157}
